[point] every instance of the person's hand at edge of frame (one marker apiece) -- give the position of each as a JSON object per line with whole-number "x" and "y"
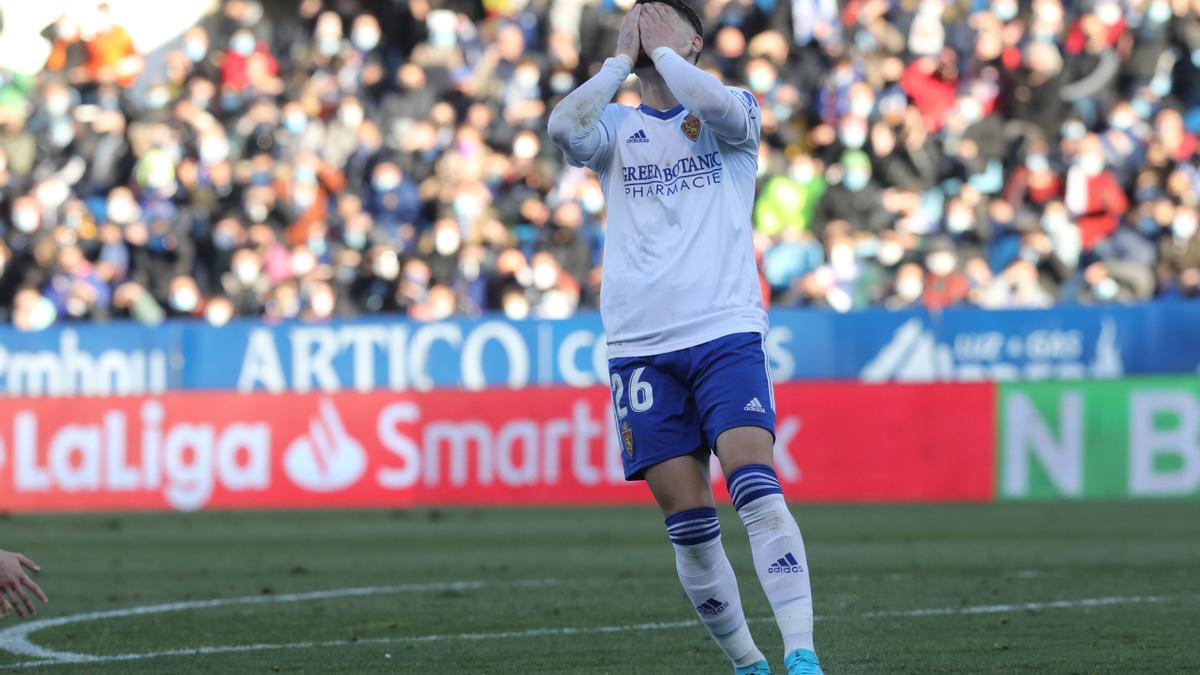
{"x": 14, "y": 582}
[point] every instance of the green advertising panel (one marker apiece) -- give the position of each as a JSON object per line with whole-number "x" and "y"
{"x": 1137, "y": 438}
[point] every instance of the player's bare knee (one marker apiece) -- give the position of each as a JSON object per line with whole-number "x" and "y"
{"x": 679, "y": 499}
{"x": 680, "y": 484}
{"x": 741, "y": 446}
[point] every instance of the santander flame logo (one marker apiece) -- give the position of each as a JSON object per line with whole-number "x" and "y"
{"x": 328, "y": 458}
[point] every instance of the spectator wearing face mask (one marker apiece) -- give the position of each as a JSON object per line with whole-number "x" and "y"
{"x": 855, "y": 199}
{"x": 306, "y": 197}
{"x": 1034, "y": 182}
{"x": 1178, "y": 269}
{"x": 788, "y": 202}
{"x": 236, "y": 68}
{"x": 184, "y": 298}
{"x": 945, "y": 286}
{"x": 393, "y": 199}
{"x": 963, "y": 223}
{"x": 908, "y": 287}
{"x": 1107, "y": 283}
{"x": 1094, "y": 198}
{"x": 218, "y": 311}
{"x": 320, "y": 302}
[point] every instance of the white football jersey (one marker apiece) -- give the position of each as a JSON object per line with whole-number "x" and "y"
{"x": 679, "y": 266}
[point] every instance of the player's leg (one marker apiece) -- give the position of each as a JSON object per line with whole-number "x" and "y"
{"x": 775, "y": 541}
{"x": 661, "y": 439}
{"x": 736, "y": 401}
{"x": 682, "y": 488}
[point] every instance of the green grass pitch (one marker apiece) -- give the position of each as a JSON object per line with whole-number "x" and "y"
{"x": 989, "y": 588}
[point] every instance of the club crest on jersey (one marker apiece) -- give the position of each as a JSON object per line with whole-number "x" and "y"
{"x": 691, "y": 126}
{"x": 627, "y": 437}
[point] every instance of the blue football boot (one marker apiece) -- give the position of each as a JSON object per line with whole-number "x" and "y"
{"x": 803, "y": 662}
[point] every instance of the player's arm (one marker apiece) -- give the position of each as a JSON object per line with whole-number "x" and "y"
{"x": 726, "y": 114}
{"x": 575, "y": 125}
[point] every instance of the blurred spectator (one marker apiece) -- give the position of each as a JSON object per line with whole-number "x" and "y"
{"x": 1093, "y": 196}
{"x": 1179, "y": 255}
{"x": 313, "y": 159}
{"x": 945, "y": 286}
{"x": 111, "y": 54}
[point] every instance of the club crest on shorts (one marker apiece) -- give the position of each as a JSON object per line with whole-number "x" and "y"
{"x": 627, "y": 437}
{"x": 691, "y": 126}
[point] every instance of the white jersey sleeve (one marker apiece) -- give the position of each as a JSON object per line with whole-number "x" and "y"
{"x": 577, "y": 124}
{"x": 748, "y": 106}
{"x": 606, "y": 132}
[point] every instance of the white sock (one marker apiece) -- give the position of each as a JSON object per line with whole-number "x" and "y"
{"x": 778, "y": 552}
{"x": 709, "y": 582}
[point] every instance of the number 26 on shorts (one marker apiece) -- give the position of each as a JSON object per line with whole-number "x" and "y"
{"x": 641, "y": 395}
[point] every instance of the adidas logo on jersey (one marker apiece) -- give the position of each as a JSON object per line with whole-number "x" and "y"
{"x": 755, "y": 406}
{"x": 639, "y": 137}
{"x": 712, "y": 607}
{"x": 786, "y": 565}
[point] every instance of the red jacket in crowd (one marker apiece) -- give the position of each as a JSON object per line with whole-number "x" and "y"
{"x": 932, "y": 95}
{"x": 1106, "y": 203}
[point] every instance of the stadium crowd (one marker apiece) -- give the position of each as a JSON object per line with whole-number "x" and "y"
{"x": 334, "y": 157}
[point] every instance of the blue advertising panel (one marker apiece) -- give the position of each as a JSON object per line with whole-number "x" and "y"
{"x": 970, "y": 344}
{"x": 390, "y": 353}
{"x": 89, "y": 360}
{"x": 384, "y": 353}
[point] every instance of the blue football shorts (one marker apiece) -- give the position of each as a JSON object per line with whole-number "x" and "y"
{"x": 674, "y": 404}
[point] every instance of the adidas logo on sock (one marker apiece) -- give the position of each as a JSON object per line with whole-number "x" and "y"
{"x": 639, "y": 137}
{"x": 712, "y": 607}
{"x": 786, "y": 565}
{"x": 755, "y": 406}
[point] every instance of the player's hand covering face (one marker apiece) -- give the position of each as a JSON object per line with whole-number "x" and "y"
{"x": 629, "y": 42}
{"x": 661, "y": 26}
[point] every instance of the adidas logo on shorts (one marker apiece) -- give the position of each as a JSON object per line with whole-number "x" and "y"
{"x": 639, "y": 137}
{"x": 755, "y": 406}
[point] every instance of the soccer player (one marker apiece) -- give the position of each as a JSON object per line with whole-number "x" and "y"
{"x": 684, "y": 318}
{"x": 14, "y": 581}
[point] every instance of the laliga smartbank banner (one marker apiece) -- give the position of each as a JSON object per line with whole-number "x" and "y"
{"x": 1120, "y": 438}
{"x": 189, "y": 451}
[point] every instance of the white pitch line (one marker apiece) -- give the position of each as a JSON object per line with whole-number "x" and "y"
{"x": 1018, "y": 607}
{"x": 232, "y": 649}
{"x": 16, "y": 639}
{"x": 560, "y": 631}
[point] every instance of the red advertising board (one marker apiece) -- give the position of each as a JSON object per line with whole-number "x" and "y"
{"x": 186, "y": 451}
